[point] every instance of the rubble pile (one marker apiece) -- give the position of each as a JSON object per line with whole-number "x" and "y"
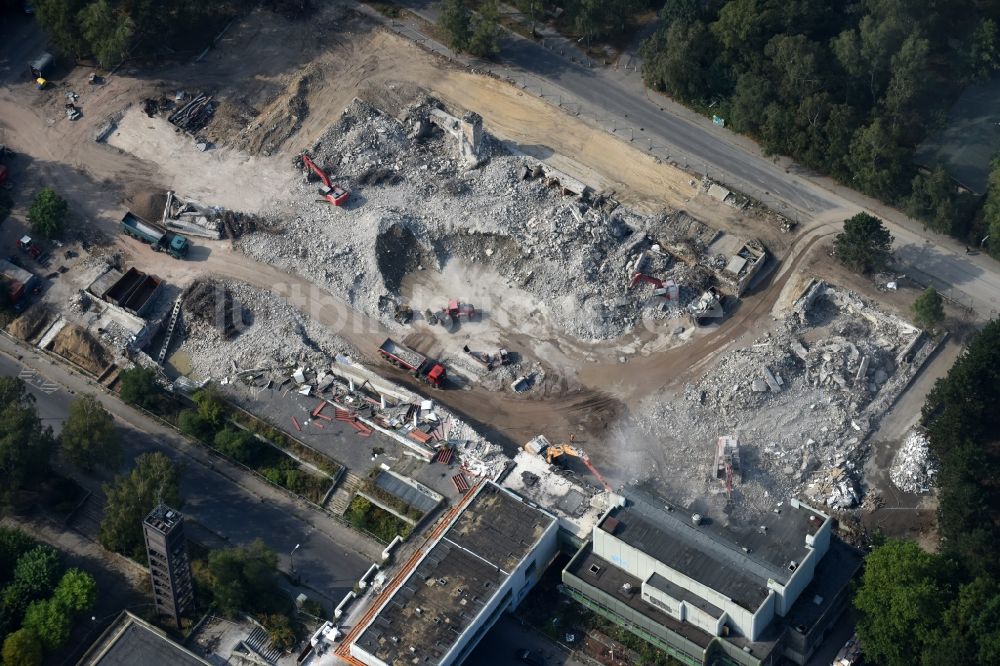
{"x": 268, "y": 331}
{"x": 913, "y": 470}
{"x": 416, "y": 205}
{"x": 802, "y": 399}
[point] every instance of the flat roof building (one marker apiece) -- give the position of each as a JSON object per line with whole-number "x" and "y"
{"x": 707, "y": 593}
{"x": 483, "y": 563}
{"x": 130, "y": 641}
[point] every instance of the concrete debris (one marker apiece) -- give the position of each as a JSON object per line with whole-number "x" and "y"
{"x": 538, "y": 230}
{"x": 913, "y": 470}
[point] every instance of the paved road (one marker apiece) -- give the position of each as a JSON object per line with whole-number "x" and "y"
{"x": 616, "y": 99}
{"x": 328, "y": 561}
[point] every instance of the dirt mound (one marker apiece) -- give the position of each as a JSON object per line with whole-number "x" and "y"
{"x": 212, "y": 303}
{"x": 148, "y": 204}
{"x": 279, "y": 120}
{"x": 31, "y": 323}
{"x": 398, "y": 252}
{"x": 77, "y": 345}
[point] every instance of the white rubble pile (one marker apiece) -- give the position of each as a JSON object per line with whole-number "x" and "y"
{"x": 913, "y": 470}
{"x": 415, "y": 206}
{"x": 273, "y": 334}
{"x": 801, "y": 429}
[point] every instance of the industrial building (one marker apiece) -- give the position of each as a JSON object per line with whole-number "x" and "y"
{"x": 485, "y": 561}
{"x": 713, "y": 593}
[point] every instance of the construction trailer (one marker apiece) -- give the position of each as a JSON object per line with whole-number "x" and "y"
{"x": 134, "y": 292}
{"x": 17, "y": 281}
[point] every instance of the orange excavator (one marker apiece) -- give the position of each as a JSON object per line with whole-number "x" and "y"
{"x": 554, "y": 451}
{"x": 335, "y": 194}
{"x": 666, "y": 289}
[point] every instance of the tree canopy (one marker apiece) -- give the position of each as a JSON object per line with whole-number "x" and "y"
{"x": 139, "y": 386}
{"x": 25, "y": 445}
{"x": 88, "y": 437}
{"x": 865, "y": 245}
{"x": 131, "y": 497}
{"x": 243, "y": 579}
{"x": 47, "y": 213}
{"x": 847, "y": 88}
{"x": 928, "y": 309}
{"x": 76, "y": 591}
{"x": 22, "y": 648}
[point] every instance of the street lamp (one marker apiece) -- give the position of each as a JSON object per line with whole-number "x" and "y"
{"x": 291, "y": 559}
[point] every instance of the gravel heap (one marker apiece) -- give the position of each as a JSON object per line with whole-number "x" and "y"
{"x": 913, "y": 470}
{"x": 415, "y": 206}
{"x": 270, "y": 333}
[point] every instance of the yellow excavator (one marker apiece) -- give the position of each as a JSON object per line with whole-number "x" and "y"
{"x": 554, "y": 451}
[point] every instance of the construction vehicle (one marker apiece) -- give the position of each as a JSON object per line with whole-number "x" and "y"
{"x": 553, "y": 452}
{"x": 423, "y": 368}
{"x": 159, "y": 239}
{"x": 403, "y": 314}
{"x": 502, "y": 357}
{"x": 335, "y": 194}
{"x": 34, "y": 250}
{"x": 665, "y": 289}
{"x": 708, "y": 308}
{"x": 39, "y": 69}
{"x": 451, "y": 314}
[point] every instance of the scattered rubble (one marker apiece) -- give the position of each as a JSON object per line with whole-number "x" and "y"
{"x": 913, "y": 470}
{"x": 416, "y": 205}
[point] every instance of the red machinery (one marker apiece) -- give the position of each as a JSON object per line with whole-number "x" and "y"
{"x": 29, "y": 247}
{"x": 457, "y": 311}
{"x": 425, "y": 369}
{"x": 335, "y": 194}
{"x": 663, "y": 289}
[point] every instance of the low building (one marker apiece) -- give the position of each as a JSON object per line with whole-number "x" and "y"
{"x": 485, "y": 561}
{"x": 15, "y": 280}
{"x": 709, "y": 594}
{"x": 130, "y": 641}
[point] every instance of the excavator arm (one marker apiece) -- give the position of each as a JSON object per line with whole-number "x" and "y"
{"x": 319, "y": 172}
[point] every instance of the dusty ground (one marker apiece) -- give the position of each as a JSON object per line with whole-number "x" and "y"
{"x": 278, "y": 94}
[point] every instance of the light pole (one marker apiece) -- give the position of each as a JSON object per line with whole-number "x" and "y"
{"x": 291, "y": 560}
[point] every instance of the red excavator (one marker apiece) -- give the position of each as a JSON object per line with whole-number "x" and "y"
{"x": 662, "y": 289}
{"x": 335, "y": 194}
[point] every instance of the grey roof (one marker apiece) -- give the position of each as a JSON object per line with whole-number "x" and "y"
{"x": 456, "y": 578}
{"x": 681, "y": 594}
{"x": 130, "y": 641}
{"x": 967, "y": 145}
{"x": 734, "y": 560}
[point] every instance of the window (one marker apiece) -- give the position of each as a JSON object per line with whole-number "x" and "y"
{"x": 595, "y": 569}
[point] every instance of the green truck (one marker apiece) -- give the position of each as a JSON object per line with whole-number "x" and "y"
{"x": 159, "y": 239}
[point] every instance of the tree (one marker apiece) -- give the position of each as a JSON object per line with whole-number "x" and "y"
{"x": 279, "y": 630}
{"x": 928, "y": 309}
{"x": 933, "y": 199}
{"x": 107, "y": 31}
{"x": 47, "y": 213}
{"x": 211, "y": 406}
{"x": 76, "y": 592}
{"x": 22, "y": 648}
{"x": 242, "y": 579}
{"x": 25, "y": 446}
{"x": 130, "y": 499}
{"x": 865, "y": 245}
{"x": 13, "y": 544}
{"x": 59, "y": 19}
{"x": 140, "y": 386}
{"x": 982, "y": 50}
{"x": 50, "y": 622}
{"x": 88, "y": 437}
{"x": 237, "y": 443}
{"x": 991, "y": 210}
{"x": 37, "y": 572}
{"x": 876, "y": 159}
{"x": 676, "y": 59}
{"x": 484, "y": 42}
{"x": 903, "y": 593}
{"x": 454, "y": 22}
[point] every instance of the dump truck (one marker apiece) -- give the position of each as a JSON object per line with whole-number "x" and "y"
{"x": 159, "y": 239}
{"x": 425, "y": 369}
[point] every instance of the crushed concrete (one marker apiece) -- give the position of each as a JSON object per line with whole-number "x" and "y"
{"x": 416, "y": 205}
{"x": 913, "y": 470}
